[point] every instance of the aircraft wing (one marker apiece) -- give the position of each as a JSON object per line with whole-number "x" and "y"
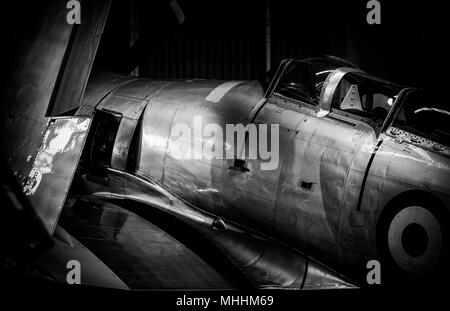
{"x": 48, "y": 77}
{"x": 157, "y": 238}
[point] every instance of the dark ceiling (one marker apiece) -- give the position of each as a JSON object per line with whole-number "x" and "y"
{"x": 226, "y": 39}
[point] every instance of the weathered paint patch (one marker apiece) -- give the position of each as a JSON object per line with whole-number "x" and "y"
{"x": 54, "y": 166}
{"x": 60, "y": 140}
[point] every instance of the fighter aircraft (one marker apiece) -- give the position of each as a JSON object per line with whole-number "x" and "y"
{"x": 297, "y": 183}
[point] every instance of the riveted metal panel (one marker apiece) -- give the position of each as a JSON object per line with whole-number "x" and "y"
{"x": 99, "y": 86}
{"x": 126, "y": 106}
{"x": 122, "y": 143}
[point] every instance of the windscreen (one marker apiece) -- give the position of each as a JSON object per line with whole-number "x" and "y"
{"x": 424, "y": 117}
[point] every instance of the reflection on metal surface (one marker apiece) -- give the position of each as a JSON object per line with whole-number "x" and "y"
{"x": 263, "y": 261}
{"x": 140, "y": 253}
{"x": 93, "y": 271}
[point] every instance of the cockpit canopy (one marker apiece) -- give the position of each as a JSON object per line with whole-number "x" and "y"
{"x": 328, "y": 85}
{"x": 333, "y": 85}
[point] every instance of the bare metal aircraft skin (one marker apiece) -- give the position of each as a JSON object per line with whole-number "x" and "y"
{"x": 354, "y": 182}
{"x": 358, "y": 170}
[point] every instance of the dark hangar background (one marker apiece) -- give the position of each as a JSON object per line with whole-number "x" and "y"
{"x": 227, "y": 39}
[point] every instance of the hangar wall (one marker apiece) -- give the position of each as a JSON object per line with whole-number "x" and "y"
{"x": 226, "y": 39}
